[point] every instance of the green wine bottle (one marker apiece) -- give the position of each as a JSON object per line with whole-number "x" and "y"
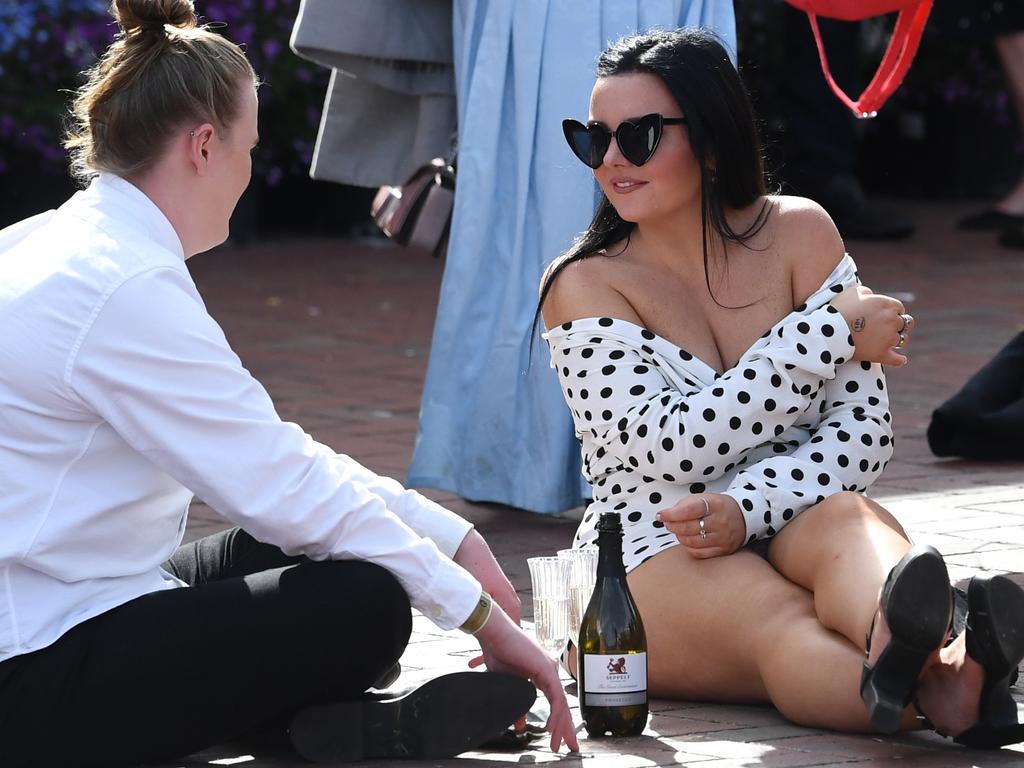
{"x": 612, "y": 655}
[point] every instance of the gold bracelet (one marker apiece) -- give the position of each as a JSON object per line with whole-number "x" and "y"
{"x": 479, "y": 616}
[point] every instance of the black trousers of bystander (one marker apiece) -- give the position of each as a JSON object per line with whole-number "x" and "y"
{"x": 257, "y": 636}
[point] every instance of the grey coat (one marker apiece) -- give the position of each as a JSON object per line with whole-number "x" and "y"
{"x": 390, "y": 105}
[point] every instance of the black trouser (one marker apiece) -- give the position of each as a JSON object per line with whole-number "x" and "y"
{"x": 258, "y": 636}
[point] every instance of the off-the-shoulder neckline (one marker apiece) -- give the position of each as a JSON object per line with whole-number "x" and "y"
{"x": 685, "y": 354}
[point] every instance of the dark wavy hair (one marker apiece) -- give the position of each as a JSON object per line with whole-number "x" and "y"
{"x": 695, "y": 67}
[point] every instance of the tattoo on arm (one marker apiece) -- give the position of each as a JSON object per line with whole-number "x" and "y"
{"x": 859, "y": 324}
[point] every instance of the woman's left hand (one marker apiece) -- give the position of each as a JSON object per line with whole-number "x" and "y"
{"x": 476, "y": 557}
{"x": 715, "y": 515}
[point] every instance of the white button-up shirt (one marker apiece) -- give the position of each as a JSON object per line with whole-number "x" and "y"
{"x": 120, "y": 398}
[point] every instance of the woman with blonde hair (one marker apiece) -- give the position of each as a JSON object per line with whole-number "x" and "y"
{"x": 120, "y": 398}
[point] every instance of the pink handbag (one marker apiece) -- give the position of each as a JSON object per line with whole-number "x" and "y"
{"x": 419, "y": 212}
{"x": 913, "y": 14}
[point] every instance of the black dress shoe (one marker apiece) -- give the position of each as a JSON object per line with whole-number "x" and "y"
{"x": 917, "y": 603}
{"x": 995, "y": 639}
{"x": 442, "y": 718}
{"x": 990, "y": 220}
{"x": 388, "y": 677}
{"x": 1013, "y": 237}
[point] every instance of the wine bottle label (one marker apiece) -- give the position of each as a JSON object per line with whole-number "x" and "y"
{"x": 615, "y": 679}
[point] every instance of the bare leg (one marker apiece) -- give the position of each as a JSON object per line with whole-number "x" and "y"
{"x": 1011, "y": 52}
{"x": 733, "y": 629}
{"x": 841, "y": 550}
{"x": 949, "y": 691}
{"x": 736, "y": 628}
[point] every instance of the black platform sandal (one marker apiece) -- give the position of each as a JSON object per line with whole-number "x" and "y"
{"x": 995, "y": 639}
{"x": 917, "y": 603}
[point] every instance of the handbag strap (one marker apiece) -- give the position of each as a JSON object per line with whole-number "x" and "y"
{"x": 906, "y": 38}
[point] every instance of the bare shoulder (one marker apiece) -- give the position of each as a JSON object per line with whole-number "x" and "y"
{"x": 808, "y": 238}
{"x": 584, "y": 288}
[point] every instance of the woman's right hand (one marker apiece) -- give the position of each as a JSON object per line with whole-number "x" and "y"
{"x": 506, "y": 648}
{"x": 876, "y": 325}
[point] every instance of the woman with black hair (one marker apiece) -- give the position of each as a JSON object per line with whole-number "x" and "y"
{"x": 723, "y": 369}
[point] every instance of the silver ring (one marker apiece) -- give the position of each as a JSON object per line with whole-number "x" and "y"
{"x": 703, "y": 533}
{"x": 902, "y": 341}
{"x": 906, "y": 318}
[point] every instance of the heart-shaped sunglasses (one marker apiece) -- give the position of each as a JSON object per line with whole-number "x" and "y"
{"x": 637, "y": 138}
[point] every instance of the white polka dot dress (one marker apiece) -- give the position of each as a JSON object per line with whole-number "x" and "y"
{"x": 792, "y": 423}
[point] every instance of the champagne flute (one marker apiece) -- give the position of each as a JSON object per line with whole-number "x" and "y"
{"x": 582, "y": 575}
{"x": 550, "y": 579}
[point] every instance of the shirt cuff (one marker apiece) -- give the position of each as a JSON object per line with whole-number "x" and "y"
{"x": 449, "y": 597}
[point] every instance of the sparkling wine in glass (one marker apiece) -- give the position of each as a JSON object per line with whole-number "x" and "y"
{"x": 550, "y": 579}
{"x": 582, "y": 575}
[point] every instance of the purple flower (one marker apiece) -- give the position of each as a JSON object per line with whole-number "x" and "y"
{"x": 46, "y": 44}
{"x": 271, "y": 48}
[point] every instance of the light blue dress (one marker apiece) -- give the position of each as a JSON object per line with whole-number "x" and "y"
{"x": 493, "y": 423}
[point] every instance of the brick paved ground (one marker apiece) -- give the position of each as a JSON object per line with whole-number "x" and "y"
{"x": 339, "y": 334}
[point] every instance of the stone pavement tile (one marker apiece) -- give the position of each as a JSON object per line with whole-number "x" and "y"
{"x": 667, "y": 707}
{"x": 950, "y": 755}
{"x": 638, "y": 752}
{"x": 655, "y": 749}
{"x": 1004, "y": 534}
{"x": 925, "y": 507}
{"x": 688, "y": 726}
{"x": 858, "y": 747}
{"x": 751, "y": 753}
{"x": 768, "y": 746}
{"x": 975, "y": 488}
{"x": 987, "y": 523}
{"x": 951, "y": 544}
{"x": 1011, "y": 502}
{"x": 777, "y": 759}
{"x": 1009, "y": 560}
{"x": 955, "y": 759}
{"x": 729, "y": 731}
{"x": 742, "y": 716}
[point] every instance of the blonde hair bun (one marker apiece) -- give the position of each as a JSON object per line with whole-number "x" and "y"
{"x": 162, "y": 72}
{"x": 140, "y": 15}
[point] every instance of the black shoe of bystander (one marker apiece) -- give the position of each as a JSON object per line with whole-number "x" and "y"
{"x": 1013, "y": 237}
{"x": 990, "y": 219}
{"x": 441, "y": 718}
